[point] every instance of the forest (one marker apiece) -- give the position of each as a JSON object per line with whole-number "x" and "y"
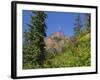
{"x": 56, "y": 50}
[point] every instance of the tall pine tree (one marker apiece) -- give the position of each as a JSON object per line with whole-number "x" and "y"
{"x": 78, "y": 26}
{"x": 87, "y": 23}
{"x": 36, "y": 35}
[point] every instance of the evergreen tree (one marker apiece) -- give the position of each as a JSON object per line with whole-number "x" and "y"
{"x": 87, "y": 22}
{"x": 78, "y": 26}
{"x": 36, "y": 34}
{"x": 40, "y": 28}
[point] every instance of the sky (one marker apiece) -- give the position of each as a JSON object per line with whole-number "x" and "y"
{"x": 56, "y": 21}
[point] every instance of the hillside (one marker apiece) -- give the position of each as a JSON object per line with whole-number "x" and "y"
{"x": 75, "y": 53}
{"x": 55, "y": 43}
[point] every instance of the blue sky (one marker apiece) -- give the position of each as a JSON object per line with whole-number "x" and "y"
{"x": 55, "y": 21}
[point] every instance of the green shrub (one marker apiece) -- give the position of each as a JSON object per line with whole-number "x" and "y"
{"x": 73, "y": 56}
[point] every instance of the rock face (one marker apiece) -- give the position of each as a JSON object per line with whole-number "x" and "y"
{"x": 55, "y": 42}
{"x": 58, "y": 35}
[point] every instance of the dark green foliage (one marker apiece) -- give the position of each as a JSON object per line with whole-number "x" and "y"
{"x": 87, "y": 23}
{"x": 78, "y": 26}
{"x": 33, "y": 45}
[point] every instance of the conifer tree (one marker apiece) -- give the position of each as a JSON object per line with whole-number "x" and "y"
{"x": 36, "y": 35}
{"x": 87, "y": 22}
{"x": 78, "y": 26}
